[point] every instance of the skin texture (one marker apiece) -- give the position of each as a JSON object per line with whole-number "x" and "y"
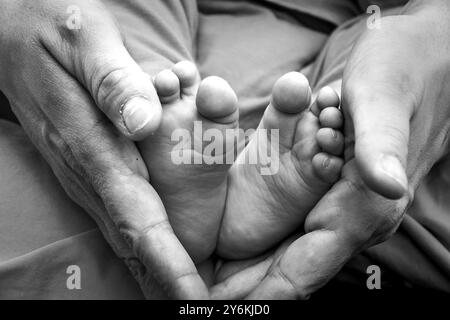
{"x": 401, "y": 108}
{"x": 194, "y": 193}
{"x": 58, "y": 80}
{"x": 94, "y": 162}
{"x": 262, "y": 210}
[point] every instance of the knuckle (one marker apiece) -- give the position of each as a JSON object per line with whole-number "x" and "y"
{"x": 127, "y": 232}
{"x": 296, "y": 289}
{"x": 359, "y": 238}
{"x": 138, "y": 237}
{"x": 108, "y": 83}
{"x": 56, "y": 146}
{"x": 67, "y": 21}
{"x": 76, "y": 22}
{"x": 387, "y": 220}
{"x": 108, "y": 78}
{"x": 156, "y": 228}
{"x": 66, "y": 34}
{"x": 136, "y": 267}
{"x": 380, "y": 217}
{"x": 385, "y": 229}
{"x": 399, "y": 136}
{"x": 354, "y": 187}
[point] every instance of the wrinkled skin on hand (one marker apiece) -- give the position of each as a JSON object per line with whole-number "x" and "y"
{"x": 58, "y": 81}
{"x": 400, "y": 108}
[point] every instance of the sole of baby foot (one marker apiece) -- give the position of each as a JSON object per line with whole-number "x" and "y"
{"x": 305, "y": 146}
{"x": 191, "y": 183}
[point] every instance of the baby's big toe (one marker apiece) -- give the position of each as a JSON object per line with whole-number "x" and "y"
{"x": 217, "y": 101}
{"x": 291, "y": 93}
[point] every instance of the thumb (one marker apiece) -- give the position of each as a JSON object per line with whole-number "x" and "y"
{"x": 308, "y": 264}
{"x": 95, "y": 54}
{"x": 379, "y": 117}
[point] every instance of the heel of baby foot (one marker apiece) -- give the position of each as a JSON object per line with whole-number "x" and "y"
{"x": 237, "y": 241}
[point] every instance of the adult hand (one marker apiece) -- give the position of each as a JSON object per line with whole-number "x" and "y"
{"x": 396, "y": 100}
{"x": 60, "y": 65}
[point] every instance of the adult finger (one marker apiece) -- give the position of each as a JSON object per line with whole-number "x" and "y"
{"x": 348, "y": 219}
{"x": 81, "y": 144}
{"x": 237, "y": 279}
{"x": 379, "y": 105}
{"x": 93, "y": 51}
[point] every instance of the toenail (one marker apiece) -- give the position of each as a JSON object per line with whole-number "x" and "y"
{"x": 334, "y": 133}
{"x": 326, "y": 162}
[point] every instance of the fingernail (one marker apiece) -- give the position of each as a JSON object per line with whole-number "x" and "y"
{"x": 392, "y": 167}
{"x": 136, "y": 113}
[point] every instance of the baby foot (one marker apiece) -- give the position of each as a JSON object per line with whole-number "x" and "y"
{"x": 192, "y": 186}
{"x": 264, "y": 208}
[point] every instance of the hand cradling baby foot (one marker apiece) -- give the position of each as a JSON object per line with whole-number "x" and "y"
{"x": 245, "y": 208}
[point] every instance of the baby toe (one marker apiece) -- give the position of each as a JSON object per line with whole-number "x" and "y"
{"x": 167, "y": 86}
